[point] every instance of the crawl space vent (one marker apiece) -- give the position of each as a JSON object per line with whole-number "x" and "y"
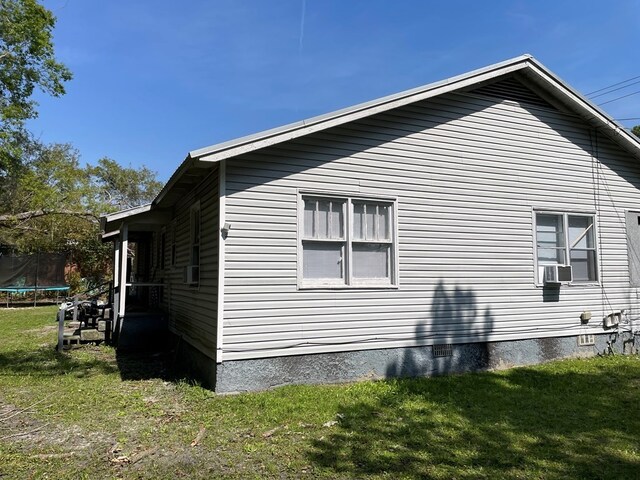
{"x": 586, "y": 340}
{"x": 442, "y": 350}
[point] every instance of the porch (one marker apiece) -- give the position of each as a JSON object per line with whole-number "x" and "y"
{"x": 138, "y": 272}
{"x": 91, "y": 319}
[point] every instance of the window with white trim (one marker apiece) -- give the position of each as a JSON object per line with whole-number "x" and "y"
{"x": 195, "y": 236}
{"x": 347, "y": 242}
{"x": 567, "y": 239}
{"x": 172, "y": 249}
{"x": 163, "y": 249}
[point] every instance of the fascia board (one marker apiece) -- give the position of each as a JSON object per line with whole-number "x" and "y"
{"x": 129, "y": 212}
{"x": 184, "y": 166}
{"x": 556, "y": 86}
{"x": 589, "y": 111}
{"x": 218, "y": 152}
{"x": 107, "y": 221}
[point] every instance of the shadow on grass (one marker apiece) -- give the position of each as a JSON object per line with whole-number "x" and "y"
{"x": 47, "y": 362}
{"x": 526, "y": 423}
{"x": 146, "y": 365}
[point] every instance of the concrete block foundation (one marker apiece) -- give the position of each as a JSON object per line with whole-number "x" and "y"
{"x": 265, "y": 373}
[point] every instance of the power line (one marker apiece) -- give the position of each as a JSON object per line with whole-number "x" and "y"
{"x": 615, "y": 90}
{"x": 613, "y": 85}
{"x": 619, "y": 98}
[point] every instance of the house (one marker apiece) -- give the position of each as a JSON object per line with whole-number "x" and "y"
{"x": 487, "y": 220}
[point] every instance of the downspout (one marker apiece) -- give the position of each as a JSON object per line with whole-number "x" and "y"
{"x": 222, "y": 232}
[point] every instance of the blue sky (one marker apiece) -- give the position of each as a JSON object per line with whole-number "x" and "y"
{"x": 156, "y": 79}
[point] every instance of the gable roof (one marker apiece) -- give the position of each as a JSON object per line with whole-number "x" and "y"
{"x": 543, "y": 82}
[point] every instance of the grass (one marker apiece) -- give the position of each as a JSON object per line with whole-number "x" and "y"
{"x": 89, "y": 413}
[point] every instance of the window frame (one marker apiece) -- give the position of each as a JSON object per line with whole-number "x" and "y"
{"x": 348, "y": 281}
{"x": 163, "y": 249}
{"x": 172, "y": 247}
{"x": 565, "y": 214}
{"x": 195, "y": 214}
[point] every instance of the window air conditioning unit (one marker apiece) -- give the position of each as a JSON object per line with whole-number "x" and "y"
{"x": 191, "y": 274}
{"x": 557, "y": 274}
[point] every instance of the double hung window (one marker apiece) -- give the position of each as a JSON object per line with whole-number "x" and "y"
{"x": 347, "y": 242}
{"x": 195, "y": 235}
{"x": 567, "y": 239}
{"x": 172, "y": 248}
{"x": 163, "y": 249}
{"x": 193, "y": 269}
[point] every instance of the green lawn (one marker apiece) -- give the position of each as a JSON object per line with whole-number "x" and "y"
{"x": 88, "y": 413}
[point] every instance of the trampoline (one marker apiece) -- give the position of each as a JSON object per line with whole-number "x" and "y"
{"x": 40, "y": 272}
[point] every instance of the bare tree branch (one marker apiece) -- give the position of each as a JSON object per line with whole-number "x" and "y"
{"x": 24, "y": 216}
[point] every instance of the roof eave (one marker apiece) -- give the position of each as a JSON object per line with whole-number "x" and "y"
{"x": 218, "y": 152}
{"x": 112, "y": 221}
{"x": 184, "y": 166}
{"x": 590, "y": 112}
{"x": 560, "y": 89}
{"x": 129, "y": 212}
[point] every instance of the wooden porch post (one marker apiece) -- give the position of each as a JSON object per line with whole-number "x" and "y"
{"x": 124, "y": 245}
{"x": 116, "y": 279}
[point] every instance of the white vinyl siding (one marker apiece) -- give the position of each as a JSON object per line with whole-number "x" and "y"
{"x": 193, "y": 310}
{"x": 467, "y": 173}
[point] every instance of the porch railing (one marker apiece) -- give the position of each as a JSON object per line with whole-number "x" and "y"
{"x": 79, "y": 301}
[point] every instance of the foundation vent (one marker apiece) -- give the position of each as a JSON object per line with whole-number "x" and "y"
{"x": 586, "y": 340}
{"x": 445, "y": 350}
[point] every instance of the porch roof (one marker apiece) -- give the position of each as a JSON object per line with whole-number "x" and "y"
{"x": 139, "y": 219}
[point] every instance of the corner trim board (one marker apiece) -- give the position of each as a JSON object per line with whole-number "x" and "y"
{"x": 222, "y": 173}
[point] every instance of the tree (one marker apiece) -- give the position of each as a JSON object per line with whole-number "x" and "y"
{"x": 119, "y": 188}
{"x": 50, "y": 195}
{"x": 636, "y": 130}
{"x": 57, "y": 203}
{"x": 27, "y": 62}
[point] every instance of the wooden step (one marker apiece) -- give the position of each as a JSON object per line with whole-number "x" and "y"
{"x": 69, "y": 339}
{"x": 91, "y": 335}
{"x": 104, "y": 325}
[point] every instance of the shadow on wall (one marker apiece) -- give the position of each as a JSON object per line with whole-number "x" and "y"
{"x": 454, "y": 312}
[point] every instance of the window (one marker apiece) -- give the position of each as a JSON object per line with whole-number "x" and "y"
{"x": 347, "y": 242}
{"x": 192, "y": 272}
{"x": 195, "y": 235}
{"x": 172, "y": 249}
{"x": 173, "y": 252}
{"x": 163, "y": 247}
{"x": 567, "y": 239}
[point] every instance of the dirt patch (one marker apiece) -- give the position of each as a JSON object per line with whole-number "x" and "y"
{"x": 19, "y": 427}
